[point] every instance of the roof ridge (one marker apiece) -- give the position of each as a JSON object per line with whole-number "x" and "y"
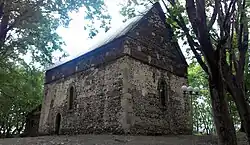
{"x": 127, "y": 27}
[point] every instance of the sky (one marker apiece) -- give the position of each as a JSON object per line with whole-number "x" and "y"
{"x": 76, "y": 38}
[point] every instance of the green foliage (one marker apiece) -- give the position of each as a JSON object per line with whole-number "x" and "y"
{"x": 21, "y": 90}
{"x": 202, "y": 113}
{"x": 129, "y": 8}
{"x": 203, "y": 117}
{"x": 31, "y": 26}
{"x": 95, "y": 13}
{"x": 28, "y": 40}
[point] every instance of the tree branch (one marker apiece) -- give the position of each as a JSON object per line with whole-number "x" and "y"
{"x": 191, "y": 42}
{"x": 242, "y": 57}
{"x": 214, "y": 15}
{"x": 18, "y": 20}
{"x": 191, "y": 10}
{"x": 229, "y": 11}
{"x": 3, "y": 27}
{"x": 203, "y": 34}
{"x": 151, "y": 1}
{"x": 227, "y": 19}
{"x": 1, "y": 9}
{"x": 231, "y": 49}
{"x": 220, "y": 19}
{"x": 242, "y": 45}
{"x": 225, "y": 5}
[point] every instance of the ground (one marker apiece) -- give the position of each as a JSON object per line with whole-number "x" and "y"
{"x": 116, "y": 140}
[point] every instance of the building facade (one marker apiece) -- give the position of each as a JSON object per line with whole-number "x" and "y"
{"x": 129, "y": 84}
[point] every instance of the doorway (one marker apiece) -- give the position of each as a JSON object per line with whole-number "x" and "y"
{"x": 58, "y": 122}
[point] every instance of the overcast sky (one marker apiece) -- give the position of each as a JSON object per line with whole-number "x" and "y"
{"x": 76, "y": 37}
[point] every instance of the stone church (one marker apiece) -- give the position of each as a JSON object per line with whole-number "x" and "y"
{"x": 129, "y": 84}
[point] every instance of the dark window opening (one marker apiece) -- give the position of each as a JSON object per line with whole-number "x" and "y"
{"x": 57, "y": 125}
{"x": 163, "y": 92}
{"x": 71, "y": 97}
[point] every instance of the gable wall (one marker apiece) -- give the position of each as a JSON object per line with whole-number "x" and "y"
{"x": 152, "y": 55}
{"x": 156, "y": 45}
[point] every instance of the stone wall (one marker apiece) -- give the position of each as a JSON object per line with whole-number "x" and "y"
{"x": 155, "y": 55}
{"x": 151, "y": 41}
{"x": 117, "y": 88}
{"x": 148, "y": 115}
{"x": 121, "y": 97}
{"x": 97, "y": 103}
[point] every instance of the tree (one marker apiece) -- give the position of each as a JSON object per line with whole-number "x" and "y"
{"x": 21, "y": 91}
{"x": 28, "y": 39}
{"x": 203, "y": 118}
{"x": 210, "y": 50}
{"x": 29, "y": 26}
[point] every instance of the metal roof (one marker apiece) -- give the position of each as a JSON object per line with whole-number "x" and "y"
{"x": 110, "y": 36}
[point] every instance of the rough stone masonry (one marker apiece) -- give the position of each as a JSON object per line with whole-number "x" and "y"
{"x": 129, "y": 84}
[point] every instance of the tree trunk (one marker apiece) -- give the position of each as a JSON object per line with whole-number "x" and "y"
{"x": 242, "y": 129}
{"x": 222, "y": 119}
{"x": 244, "y": 110}
{"x": 241, "y": 102}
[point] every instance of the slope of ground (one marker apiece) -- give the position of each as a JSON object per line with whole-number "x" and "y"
{"x": 116, "y": 140}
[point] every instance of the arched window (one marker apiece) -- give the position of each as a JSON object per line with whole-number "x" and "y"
{"x": 162, "y": 88}
{"x": 71, "y": 97}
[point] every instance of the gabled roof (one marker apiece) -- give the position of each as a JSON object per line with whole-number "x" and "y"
{"x": 110, "y": 36}
{"x": 108, "y": 49}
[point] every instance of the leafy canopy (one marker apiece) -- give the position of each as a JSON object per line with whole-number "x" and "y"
{"x": 28, "y": 40}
